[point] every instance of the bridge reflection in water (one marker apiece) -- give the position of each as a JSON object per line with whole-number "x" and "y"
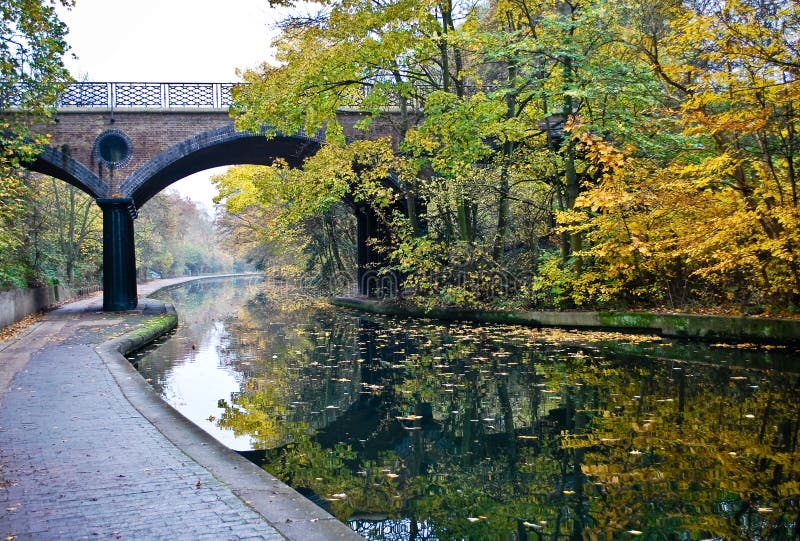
{"x": 412, "y": 429}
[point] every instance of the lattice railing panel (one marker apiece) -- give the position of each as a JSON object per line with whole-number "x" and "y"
{"x": 148, "y": 95}
{"x": 138, "y": 95}
{"x": 86, "y": 95}
{"x": 190, "y": 95}
{"x": 225, "y": 95}
{"x": 202, "y": 95}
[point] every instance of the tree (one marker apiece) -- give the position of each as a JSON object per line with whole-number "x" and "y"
{"x": 625, "y": 153}
{"x": 32, "y": 76}
{"x": 382, "y": 57}
{"x": 302, "y": 210}
{"x": 712, "y": 217}
{"x": 63, "y": 232}
{"x": 78, "y": 227}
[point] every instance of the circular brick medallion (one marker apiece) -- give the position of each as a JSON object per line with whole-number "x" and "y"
{"x": 113, "y": 148}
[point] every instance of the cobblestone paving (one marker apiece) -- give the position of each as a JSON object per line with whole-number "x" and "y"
{"x": 78, "y": 462}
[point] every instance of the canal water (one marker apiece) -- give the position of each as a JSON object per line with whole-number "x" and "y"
{"x": 418, "y": 429}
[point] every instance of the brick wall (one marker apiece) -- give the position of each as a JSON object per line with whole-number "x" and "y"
{"x": 150, "y": 133}
{"x": 154, "y": 131}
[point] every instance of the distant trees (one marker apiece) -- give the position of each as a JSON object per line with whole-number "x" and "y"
{"x": 60, "y": 235}
{"x": 312, "y": 238}
{"x": 176, "y": 237}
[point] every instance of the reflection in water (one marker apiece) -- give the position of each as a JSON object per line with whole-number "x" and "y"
{"x": 412, "y": 429}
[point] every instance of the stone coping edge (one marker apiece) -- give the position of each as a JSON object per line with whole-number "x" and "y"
{"x": 294, "y": 516}
{"x": 690, "y": 326}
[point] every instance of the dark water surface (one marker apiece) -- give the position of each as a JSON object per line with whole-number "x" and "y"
{"x": 415, "y": 429}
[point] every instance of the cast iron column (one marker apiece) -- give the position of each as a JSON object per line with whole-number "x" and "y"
{"x": 362, "y": 250}
{"x": 369, "y": 260}
{"x": 119, "y": 256}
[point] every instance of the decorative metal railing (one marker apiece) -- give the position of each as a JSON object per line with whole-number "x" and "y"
{"x": 147, "y": 95}
{"x": 181, "y": 96}
{"x": 168, "y": 96}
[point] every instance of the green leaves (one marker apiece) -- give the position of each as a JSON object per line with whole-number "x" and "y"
{"x": 31, "y": 77}
{"x": 652, "y": 147}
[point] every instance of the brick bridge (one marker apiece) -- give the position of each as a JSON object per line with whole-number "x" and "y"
{"x": 122, "y": 143}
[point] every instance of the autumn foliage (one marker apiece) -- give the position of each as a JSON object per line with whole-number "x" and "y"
{"x": 601, "y": 154}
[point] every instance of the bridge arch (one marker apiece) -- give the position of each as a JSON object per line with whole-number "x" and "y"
{"x": 172, "y": 131}
{"x": 211, "y": 148}
{"x": 61, "y": 165}
{"x": 214, "y": 148}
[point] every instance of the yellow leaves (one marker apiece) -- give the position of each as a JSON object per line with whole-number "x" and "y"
{"x": 741, "y": 119}
{"x": 607, "y": 158}
{"x": 415, "y": 139}
{"x": 640, "y": 246}
{"x": 599, "y": 199}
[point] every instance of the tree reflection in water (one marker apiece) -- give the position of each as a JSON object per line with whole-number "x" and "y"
{"x": 412, "y": 429}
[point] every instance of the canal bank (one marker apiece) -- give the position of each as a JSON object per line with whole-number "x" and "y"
{"x": 90, "y": 451}
{"x": 690, "y": 326}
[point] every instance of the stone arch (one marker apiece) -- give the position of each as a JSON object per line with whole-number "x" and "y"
{"x": 214, "y": 148}
{"x": 60, "y": 165}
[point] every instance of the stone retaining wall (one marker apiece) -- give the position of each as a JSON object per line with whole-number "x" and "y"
{"x": 15, "y": 304}
{"x": 693, "y": 326}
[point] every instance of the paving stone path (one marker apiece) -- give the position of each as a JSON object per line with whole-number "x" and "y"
{"x": 78, "y": 461}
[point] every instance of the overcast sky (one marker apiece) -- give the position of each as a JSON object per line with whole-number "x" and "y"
{"x": 169, "y": 41}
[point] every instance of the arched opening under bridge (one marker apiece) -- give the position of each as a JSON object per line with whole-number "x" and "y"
{"x": 120, "y": 199}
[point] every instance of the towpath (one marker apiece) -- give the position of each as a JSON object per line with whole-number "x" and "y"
{"x": 89, "y": 451}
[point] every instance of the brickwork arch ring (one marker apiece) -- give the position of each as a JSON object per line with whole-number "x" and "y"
{"x": 113, "y": 148}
